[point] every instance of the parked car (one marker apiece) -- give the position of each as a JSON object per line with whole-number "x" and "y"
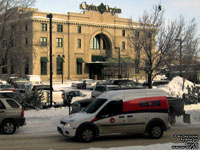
{"x": 156, "y": 83}
{"x": 75, "y": 95}
{"x": 7, "y": 94}
{"x": 57, "y": 98}
{"x": 81, "y": 84}
{"x": 92, "y": 84}
{"x": 120, "y": 112}
{"x": 7, "y": 87}
{"x": 35, "y": 79}
{"x": 100, "y": 88}
{"x": 80, "y": 105}
{"x": 11, "y": 115}
{"x": 23, "y": 86}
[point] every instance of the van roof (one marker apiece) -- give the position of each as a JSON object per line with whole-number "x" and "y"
{"x": 128, "y": 94}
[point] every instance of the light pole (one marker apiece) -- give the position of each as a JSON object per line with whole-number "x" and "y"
{"x": 50, "y": 16}
{"x": 119, "y": 57}
{"x": 180, "y": 53}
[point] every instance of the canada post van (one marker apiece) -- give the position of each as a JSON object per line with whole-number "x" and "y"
{"x": 120, "y": 111}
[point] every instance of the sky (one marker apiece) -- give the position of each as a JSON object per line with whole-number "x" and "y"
{"x": 130, "y": 8}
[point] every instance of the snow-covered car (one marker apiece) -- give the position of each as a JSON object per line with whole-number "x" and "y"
{"x": 74, "y": 94}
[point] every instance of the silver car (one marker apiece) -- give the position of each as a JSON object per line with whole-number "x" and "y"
{"x": 11, "y": 115}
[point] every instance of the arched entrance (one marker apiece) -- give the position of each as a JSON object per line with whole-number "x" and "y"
{"x": 101, "y": 51}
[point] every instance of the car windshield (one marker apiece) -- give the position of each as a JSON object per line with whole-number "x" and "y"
{"x": 94, "y": 106}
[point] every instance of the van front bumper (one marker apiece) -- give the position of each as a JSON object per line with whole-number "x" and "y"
{"x": 66, "y": 131}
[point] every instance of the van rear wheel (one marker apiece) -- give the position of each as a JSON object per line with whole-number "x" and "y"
{"x": 155, "y": 131}
{"x": 86, "y": 135}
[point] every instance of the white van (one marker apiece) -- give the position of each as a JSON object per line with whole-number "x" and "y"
{"x": 35, "y": 79}
{"x": 120, "y": 111}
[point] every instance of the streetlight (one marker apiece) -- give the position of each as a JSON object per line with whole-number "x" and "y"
{"x": 50, "y": 16}
{"x": 180, "y": 40}
{"x": 119, "y": 57}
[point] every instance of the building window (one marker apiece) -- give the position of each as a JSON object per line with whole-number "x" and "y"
{"x": 79, "y": 62}
{"x": 43, "y": 65}
{"x": 123, "y": 45}
{"x": 96, "y": 42}
{"x": 79, "y": 29}
{"x": 4, "y": 66}
{"x": 26, "y": 68}
{"x": 59, "y": 65}
{"x": 26, "y": 27}
{"x": 43, "y": 41}
{"x": 59, "y": 28}
{"x": 26, "y": 41}
{"x": 13, "y": 27}
{"x": 59, "y": 42}
{"x": 12, "y": 69}
{"x": 137, "y": 34}
{"x": 4, "y": 44}
{"x": 123, "y": 33}
{"x": 79, "y": 43}
{"x": 44, "y": 27}
{"x": 12, "y": 43}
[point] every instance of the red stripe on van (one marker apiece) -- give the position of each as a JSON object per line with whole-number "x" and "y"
{"x": 134, "y": 105}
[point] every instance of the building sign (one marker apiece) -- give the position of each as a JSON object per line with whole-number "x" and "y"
{"x": 101, "y": 8}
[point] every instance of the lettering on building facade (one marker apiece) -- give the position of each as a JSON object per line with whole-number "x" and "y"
{"x": 101, "y": 8}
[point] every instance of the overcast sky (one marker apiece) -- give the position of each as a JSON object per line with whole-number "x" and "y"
{"x": 130, "y": 8}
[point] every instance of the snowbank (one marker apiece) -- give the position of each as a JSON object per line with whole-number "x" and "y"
{"x": 177, "y": 86}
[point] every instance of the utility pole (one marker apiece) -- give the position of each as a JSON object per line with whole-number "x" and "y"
{"x": 50, "y": 16}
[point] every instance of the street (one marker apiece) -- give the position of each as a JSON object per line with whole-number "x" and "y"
{"x": 54, "y": 141}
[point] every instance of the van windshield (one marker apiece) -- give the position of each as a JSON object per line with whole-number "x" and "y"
{"x": 95, "y": 105}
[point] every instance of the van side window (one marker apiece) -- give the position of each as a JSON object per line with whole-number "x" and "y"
{"x": 149, "y": 103}
{"x": 2, "y": 106}
{"x": 111, "y": 109}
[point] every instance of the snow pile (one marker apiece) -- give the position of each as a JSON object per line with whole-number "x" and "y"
{"x": 194, "y": 111}
{"x": 175, "y": 87}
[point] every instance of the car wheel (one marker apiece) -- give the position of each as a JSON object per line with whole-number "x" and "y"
{"x": 86, "y": 135}
{"x": 8, "y": 127}
{"x": 155, "y": 131}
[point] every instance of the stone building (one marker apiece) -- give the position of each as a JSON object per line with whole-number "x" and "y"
{"x": 83, "y": 45}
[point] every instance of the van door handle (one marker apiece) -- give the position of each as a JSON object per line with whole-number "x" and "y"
{"x": 2, "y": 111}
{"x": 129, "y": 116}
{"x": 121, "y": 116}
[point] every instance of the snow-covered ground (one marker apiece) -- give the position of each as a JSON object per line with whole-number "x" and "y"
{"x": 46, "y": 120}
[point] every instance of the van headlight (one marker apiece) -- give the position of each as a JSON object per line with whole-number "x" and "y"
{"x": 69, "y": 123}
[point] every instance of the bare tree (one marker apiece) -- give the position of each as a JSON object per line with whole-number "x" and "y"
{"x": 11, "y": 28}
{"x": 154, "y": 42}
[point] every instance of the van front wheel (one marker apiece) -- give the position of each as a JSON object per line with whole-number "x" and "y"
{"x": 155, "y": 131}
{"x": 86, "y": 135}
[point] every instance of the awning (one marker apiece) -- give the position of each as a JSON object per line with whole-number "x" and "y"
{"x": 79, "y": 60}
{"x": 43, "y": 59}
{"x": 59, "y": 59}
{"x": 98, "y": 58}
